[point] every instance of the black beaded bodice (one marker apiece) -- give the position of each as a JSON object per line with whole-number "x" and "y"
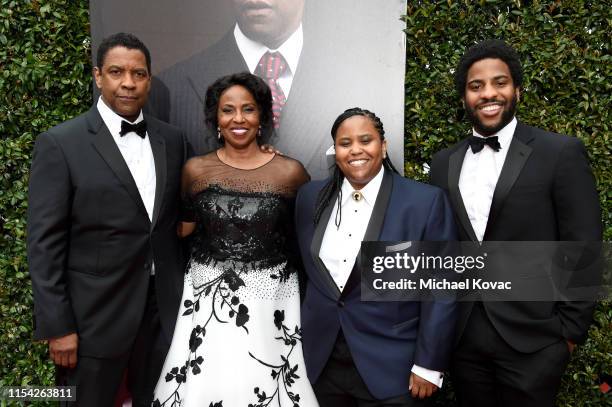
{"x": 243, "y": 216}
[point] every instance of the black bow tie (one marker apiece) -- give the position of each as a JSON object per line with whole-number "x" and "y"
{"x": 139, "y": 128}
{"x": 478, "y": 143}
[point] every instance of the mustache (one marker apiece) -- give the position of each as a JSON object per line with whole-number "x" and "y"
{"x": 483, "y": 101}
{"x": 255, "y": 5}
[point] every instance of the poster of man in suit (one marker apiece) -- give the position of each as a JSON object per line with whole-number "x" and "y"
{"x": 319, "y": 58}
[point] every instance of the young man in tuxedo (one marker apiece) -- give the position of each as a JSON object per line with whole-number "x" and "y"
{"x": 513, "y": 182}
{"x": 103, "y": 251}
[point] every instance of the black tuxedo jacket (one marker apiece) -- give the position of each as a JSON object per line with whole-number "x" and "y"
{"x": 319, "y": 93}
{"x": 545, "y": 192}
{"x": 90, "y": 241}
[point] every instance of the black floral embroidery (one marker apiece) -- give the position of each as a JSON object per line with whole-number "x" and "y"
{"x": 243, "y": 315}
{"x": 243, "y": 226}
{"x": 284, "y": 374}
{"x": 223, "y": 287}
{"x": 283, "y": 274}
{"x": 232, "y": 280}
{"x": 279, "y": 317}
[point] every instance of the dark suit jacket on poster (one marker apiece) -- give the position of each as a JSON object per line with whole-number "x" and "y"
{"x": 319, "y": 93}
{"x": 385, "y": 338}
{"x": 90, "y": 241}
{"x": 545, "y": 192}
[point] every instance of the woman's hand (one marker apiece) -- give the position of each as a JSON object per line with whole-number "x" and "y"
{"x": 184, "y": 229}
{"x": 270, "y": 149}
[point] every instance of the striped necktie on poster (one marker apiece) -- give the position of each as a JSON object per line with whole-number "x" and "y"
{"x": 271, "y": 66}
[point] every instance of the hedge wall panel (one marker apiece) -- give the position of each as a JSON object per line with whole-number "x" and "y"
{"x": 565, "y": 50}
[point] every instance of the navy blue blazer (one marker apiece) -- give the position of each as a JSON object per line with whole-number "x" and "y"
{"x": 385, "y": 338}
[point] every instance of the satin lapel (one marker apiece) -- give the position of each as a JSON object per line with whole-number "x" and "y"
{"x": 455, "y": 162}
{"x": 518, "y": 153}
{"x": 315, "y": 248}
{"x": 374, "y": 229}
{"x": 380, "y": 208}
{"x": 107, "y": 148}
{"x": 158, "y": 146}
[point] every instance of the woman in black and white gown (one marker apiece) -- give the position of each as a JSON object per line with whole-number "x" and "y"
{"x": 237, "y": 340}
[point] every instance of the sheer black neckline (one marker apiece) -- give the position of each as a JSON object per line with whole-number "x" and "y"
{"x": 244, "y": 169}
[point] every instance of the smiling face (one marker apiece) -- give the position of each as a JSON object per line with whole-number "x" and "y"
{"x": 359, "y": 150}
{"x": 124, "y": 81}
{"x": 490, "y": 95}
{"x": 238, "y": 117}
{"x": 269, "y": 22}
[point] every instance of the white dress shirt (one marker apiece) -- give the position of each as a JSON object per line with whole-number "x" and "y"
{"x": 341, "y": 245}
{"x": 479, "y": 175}
{"x": 291, "y": 49}
{"x": 136, "y": 152}
{"x": 138, "y": 156}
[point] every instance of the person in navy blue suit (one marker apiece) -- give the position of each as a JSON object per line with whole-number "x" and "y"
{"x": 361, "y": 353}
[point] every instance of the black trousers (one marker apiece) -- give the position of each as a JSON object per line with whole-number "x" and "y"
{"x": 341, "y": 385}
{"x": 97, "y": 380}
{"x": 487, "y": 372}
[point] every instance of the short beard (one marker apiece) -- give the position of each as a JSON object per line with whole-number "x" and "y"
{"x": 486, "y": 131}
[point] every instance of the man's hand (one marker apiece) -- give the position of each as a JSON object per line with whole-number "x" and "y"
{"x": 420, "y": 387}
{"x": 269, "y": 148}
{"x": 63, "y": 350}
{"x": 570, "y": 346}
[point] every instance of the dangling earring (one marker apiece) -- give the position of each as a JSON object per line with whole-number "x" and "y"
{"x": 218, "y": 133}
{"x": 259, "y": 132}
{"x": 384, "y": 155}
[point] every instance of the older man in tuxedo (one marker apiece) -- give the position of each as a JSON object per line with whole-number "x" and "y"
{"x": 103, "y": 252}
{"x": 512, "y": 182}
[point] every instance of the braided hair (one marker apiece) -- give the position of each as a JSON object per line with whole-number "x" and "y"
{"x": 333, "y": 188}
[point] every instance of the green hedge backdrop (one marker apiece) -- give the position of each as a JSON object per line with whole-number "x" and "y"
{"x": 45, "y": 78}
{"x": 565, "y": 51}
